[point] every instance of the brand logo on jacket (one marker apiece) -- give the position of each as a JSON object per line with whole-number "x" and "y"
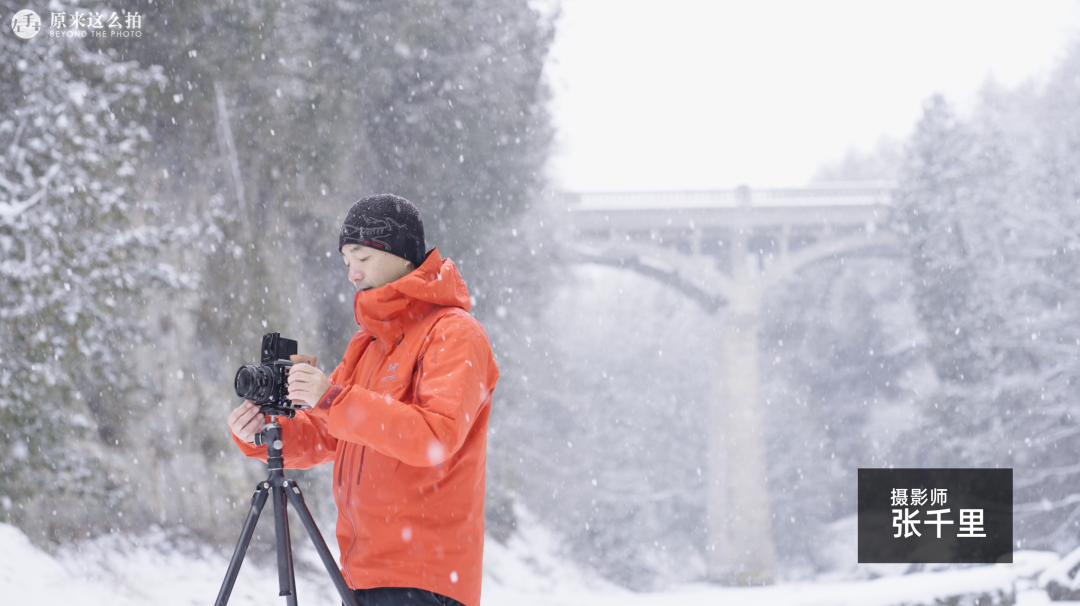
{"x": 392, "y": 369}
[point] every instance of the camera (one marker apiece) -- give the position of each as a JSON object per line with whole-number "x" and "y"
{"x": 267, "y": 384}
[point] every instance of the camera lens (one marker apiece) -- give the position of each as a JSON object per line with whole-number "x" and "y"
{"x": 254, "y": 383}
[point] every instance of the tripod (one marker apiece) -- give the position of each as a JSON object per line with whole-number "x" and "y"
{"x": 284, "y": 491}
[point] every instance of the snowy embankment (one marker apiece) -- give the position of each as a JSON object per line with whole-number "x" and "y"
{"x": 119, "y": 571}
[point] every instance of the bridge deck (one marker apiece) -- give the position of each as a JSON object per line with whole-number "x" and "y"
{"x": 853, "y": 194}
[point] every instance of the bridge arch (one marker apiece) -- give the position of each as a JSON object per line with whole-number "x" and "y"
{"x": 724, "y": 250}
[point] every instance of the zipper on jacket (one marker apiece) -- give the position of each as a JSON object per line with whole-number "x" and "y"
{"x": 348, "y": 514}
{"x": 349, "y": 488}
{"x": 417, "y": 373}
{"x": 360, "y": 472}
{"x": 339, "y": 467}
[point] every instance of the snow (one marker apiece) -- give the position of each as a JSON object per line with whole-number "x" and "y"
{"x": 526, "y": 571}
{"x": 120, "y": 571}
{"x": 1062, "y": 572}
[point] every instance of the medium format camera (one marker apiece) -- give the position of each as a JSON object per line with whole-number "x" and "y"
{"x": 267, "y": 384}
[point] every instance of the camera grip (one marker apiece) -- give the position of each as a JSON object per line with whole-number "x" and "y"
{"x": 302, "y": 359}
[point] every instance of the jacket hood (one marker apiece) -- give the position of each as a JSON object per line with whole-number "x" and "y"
{"x": 384, "y": 311}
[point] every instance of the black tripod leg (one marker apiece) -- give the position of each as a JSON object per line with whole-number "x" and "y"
{"x": 292, "y": 490}
{"x": 258, "y": 500}
{"x": 286, "y": 575}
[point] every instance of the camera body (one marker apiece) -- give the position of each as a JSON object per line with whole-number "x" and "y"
{"x": 267, "y": 384}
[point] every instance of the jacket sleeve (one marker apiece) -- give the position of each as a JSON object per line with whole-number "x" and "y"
{"x": 455, "y": 377}
{"x": 307, "y": 441}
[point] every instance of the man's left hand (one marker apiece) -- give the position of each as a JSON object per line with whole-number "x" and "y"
{"x": 307, "y": 384}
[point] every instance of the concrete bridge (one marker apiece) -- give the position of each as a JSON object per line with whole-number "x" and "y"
{"x": 725, "y": 249}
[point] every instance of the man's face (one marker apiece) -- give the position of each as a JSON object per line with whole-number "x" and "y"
{"x": 371, "y": 268}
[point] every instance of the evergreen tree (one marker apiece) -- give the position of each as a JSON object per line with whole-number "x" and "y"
{"x": 74, "y": 260}
{"x": 987, "y": 211}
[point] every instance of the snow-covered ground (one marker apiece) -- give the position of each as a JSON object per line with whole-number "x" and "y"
{"x": 118, "y": 571}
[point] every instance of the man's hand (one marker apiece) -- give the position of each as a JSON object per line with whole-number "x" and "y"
{"x": 307, "y": 384}
{"x": 245, "y": 421}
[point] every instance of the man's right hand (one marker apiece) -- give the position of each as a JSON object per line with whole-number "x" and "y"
{"x": 245, "y": 421}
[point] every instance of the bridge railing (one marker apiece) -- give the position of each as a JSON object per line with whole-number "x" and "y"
{"x": 831, "y": 195}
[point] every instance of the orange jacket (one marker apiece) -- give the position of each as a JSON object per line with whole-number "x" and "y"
{"x": 405, "y": 422}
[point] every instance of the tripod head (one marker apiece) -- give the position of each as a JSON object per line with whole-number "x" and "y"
{"x": 271, "y": 426}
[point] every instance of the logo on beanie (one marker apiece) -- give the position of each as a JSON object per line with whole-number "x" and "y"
{"x": 374, "y": 234}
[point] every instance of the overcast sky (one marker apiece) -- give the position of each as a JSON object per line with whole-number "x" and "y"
{"x": 685, "y": 94}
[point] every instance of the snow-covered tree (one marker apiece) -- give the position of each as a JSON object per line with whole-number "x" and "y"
{"x": 841, "y": 353}
{"x": 75, "y": 253}
{"x": 987, "y": 209}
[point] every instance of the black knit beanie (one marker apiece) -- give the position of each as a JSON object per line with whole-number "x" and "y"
{"x": 388, "y": 223}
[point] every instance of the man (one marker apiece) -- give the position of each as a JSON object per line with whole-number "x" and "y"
{"x": 403, "y": 417}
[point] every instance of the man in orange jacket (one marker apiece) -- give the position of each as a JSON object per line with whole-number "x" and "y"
{"x": 403, "y": 417}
